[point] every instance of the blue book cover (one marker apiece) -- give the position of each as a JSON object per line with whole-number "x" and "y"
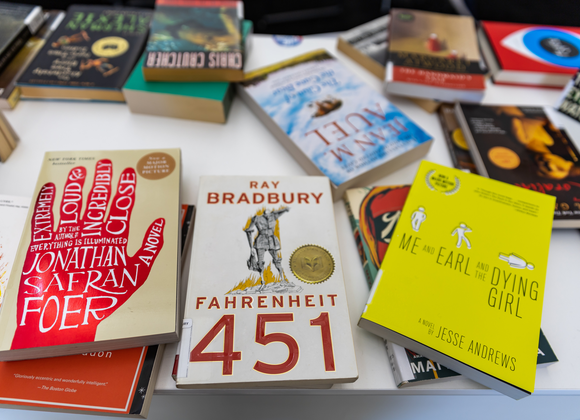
{"x": 342, "y": 125}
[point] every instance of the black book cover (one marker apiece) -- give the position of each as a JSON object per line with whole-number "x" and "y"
{"x": 521, "y": 146}
{"x": 94, "y": 47}
{"x": 17, "y": 23}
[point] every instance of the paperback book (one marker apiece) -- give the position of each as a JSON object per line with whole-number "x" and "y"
{"x": 373, "y": 213}
{"x": 102, "y": 278}
{"x": 89, "y": 56}
{"x": 195, "y": 40}
{"x": 118, "y": 382}
{"x": 410, "y": 368}
{"x": 266, "y": 303}
{"x": 569, "y": 102}
{"x": 520, "y": 145}
{"x": 331, "y": 122}
{"x": 18, "y": 22}
{"x": 202, "y": 101}
{"x": 530, "y": 55}
{"x": 455, "y": 140}
{"x": 9, "y": 92}
{"x": 435, "y": 56}
{"x": 493, "y": 269}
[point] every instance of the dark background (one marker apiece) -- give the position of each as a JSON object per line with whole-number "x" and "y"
{"x": 304, "y": 17}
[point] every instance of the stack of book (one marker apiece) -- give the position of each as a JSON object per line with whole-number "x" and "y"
{"x": 196, "y": 49}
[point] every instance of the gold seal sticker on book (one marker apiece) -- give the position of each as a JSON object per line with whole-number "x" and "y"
{"x": 503, "y": 157}
{"x": 156, "y": 165}
{"x": 111, "y": 46}
{"x": 439, "y": 181}
{"x": 312, "y": 264}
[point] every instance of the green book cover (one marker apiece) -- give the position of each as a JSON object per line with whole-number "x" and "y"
{"x": 206, "y": 90}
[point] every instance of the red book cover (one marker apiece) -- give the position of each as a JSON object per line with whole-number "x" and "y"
{"x": 535, "y": 48}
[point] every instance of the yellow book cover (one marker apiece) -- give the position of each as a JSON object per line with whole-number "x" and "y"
{"x": 483, "y": 244}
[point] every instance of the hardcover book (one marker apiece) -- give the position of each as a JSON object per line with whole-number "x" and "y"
{"x": 569, "y": 102}
{"x": 410, "y": 368}
{"x": 17, "y": 23}
{"x": 266, "y": 303}
{"x": 331, "y": 122}
{"x": 455, "y": 140}
{"x": 493, "y": 269}
{"x": 530, "y": 55}
{"x": 195, "y": 40}
{"x": 118, "y": 382}
{"x": 89, "y": 56}
{"x": 521, "y": 146}
{"x": 373, "y": 213}
{"x": 203, "y": 101}
{"x": 435, "y": 56}
{"x": 9, "y": 92}
{"x": 101, "y": 273}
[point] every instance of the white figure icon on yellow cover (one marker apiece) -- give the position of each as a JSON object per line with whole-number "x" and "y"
{"x": 516, "y": 261}
{"x": 461, "y": 230}
{"x": 417, "y": 218}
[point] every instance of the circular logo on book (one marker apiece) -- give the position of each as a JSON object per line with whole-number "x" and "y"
{"x": 504, "y": 158}
{"x": 442, "y": 182}
{"x": 555, "y": 46}
{"x": 312, "y": 264}
{"x": 111, "y": 46}
{"x": 156, "y": 165}
{"x": 287, "y": 40}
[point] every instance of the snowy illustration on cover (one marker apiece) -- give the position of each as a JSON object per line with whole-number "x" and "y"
{"x": 342, "y": 125}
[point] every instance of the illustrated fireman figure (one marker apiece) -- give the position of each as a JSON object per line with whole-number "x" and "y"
{"x": 266, "y": 240}
{"x": 101, "y": 64}
{"x": 72, "y": 39}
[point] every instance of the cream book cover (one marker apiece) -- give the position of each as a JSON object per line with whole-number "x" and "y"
{"x": 266, "y": 302}
{"x": 484, "y": 244}
{"x": 97, "y": 266}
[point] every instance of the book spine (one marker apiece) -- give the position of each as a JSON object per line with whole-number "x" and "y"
{"x": 357, "y": 238}
{"x": 14, "y": 47}
{"x": 394, "y": 366}
{"x": 470, "y": 141}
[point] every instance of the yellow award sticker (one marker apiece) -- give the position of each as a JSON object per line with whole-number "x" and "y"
{"x": 446, "y": 184}
{"x": 156, "y": 165}
{"x": 459, "y": 139}
{"x": 111, "y": 46}
{"x": 503, "y": 157}
{"x": 312, "y": 264}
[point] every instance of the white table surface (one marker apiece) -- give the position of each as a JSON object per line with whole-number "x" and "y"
{"x": 244, "y": 146}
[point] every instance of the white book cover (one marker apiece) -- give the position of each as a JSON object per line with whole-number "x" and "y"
{"x": 13, "y": 212}
{"x": 266, "y": 303}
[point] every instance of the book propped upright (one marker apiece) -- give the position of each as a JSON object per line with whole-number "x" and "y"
{"x": 102, "y": 273}
{"x": 434, "y": 56}
{"x": 486, "y": 244}
{"x": 195, "y": 40}
{"x": 331, "y": 122}
{"x": 521, "y": 145}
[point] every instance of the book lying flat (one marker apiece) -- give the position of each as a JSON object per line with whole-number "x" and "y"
{"x": 493, "y": 269}
{"x": 97, "y": 268}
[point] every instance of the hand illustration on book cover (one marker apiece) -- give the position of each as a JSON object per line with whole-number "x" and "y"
{"x": 76, "y": 276}
{"x": 516, "y": 261}
{"x": 461, "y": 230}
{"x": 417, "y": 218}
